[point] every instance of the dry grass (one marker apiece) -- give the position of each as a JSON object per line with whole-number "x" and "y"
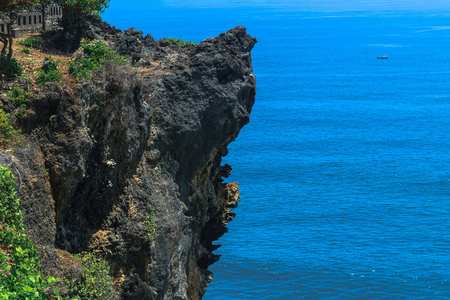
{"x": 32, "y": 62}
{"x": 155, "y": 69}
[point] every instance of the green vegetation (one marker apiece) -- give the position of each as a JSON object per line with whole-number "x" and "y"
{"x": 20, "y": 267}
{"x": 150, "y": 222}
{"x": 7, "y": 133}
{"x": 10, "y": 214}
{"x": 9, "y": 12}
{"x": 30, "y": 42}
{"x": 95, "y": 282}
{"x": 18, "y": 96}
{"x": 95, "y": 7}
{"x": 180, "y": 43}
{"x": 49, "y": 71}
{"x": 95, "y": 55}
{"x": 20, "y": 99}
{"x": 74, "y": 15}
{"x": 13, "y": 70}
{"x": 25, "y": 50}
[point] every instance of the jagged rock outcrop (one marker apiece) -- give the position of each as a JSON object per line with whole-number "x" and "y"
{"x": 101, "y": 155}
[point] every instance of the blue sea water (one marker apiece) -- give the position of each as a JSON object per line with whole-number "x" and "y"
{"x": 344, "y": 168}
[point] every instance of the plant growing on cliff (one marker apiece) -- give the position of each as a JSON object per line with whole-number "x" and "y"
{"x": 20, "y": 267}
{"x": 10, "y": 214}
{"x": 7, "y": 132}
{"x": 49, "y": 71}
{"x": 150, "y": 222}
{"x": 96, "y": 283}
{"x": 20, "y": 98}
{"x": 95, "y": 55}
{"x": 180, "y": 43}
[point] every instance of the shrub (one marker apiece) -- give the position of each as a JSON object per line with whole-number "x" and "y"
{"x": 95, "y": 55}
{"x": 20, "y": 267}
{"x": 49, "y": 71}
{"x": 20, "y": 99}
{"x": 7, "y": 133}
{"x": 14, "y": 71}
{"x": 30, "y": 42}
{"x": 180, "y": 43}
{"x": 18, "y": 96}
{"x": 10, "y": 214}
{"x": 25, "y": 50}
{"x": 150, "y": 222}
{"x": 96, "y": 283}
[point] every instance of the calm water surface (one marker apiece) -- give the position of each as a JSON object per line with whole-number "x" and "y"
{"x": 345, "y": 167}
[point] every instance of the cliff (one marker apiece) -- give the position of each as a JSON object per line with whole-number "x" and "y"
{"x": 99, "y": 156}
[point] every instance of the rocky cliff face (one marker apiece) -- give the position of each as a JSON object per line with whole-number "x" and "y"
{"x": 99, "y": 156}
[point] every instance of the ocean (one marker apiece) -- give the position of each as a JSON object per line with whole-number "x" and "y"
{"x": 344, "y": 169}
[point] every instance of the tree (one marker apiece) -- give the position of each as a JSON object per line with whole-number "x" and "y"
{"x": 95, "y": 7}
{"x": 75, "y": 13}
{"x": 9, "y": 13}
{"x": 44, "y": 13}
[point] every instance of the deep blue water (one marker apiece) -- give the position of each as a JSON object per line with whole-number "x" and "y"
{"x": 344, "y": 168}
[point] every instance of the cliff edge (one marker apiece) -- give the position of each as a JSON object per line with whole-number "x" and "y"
{"x": 103, "y": 159}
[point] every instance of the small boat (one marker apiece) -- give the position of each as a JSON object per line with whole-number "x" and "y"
{"x": 382, "y": 57}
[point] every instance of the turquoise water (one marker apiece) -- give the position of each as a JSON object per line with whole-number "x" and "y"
{"x": 345, "y": 167}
